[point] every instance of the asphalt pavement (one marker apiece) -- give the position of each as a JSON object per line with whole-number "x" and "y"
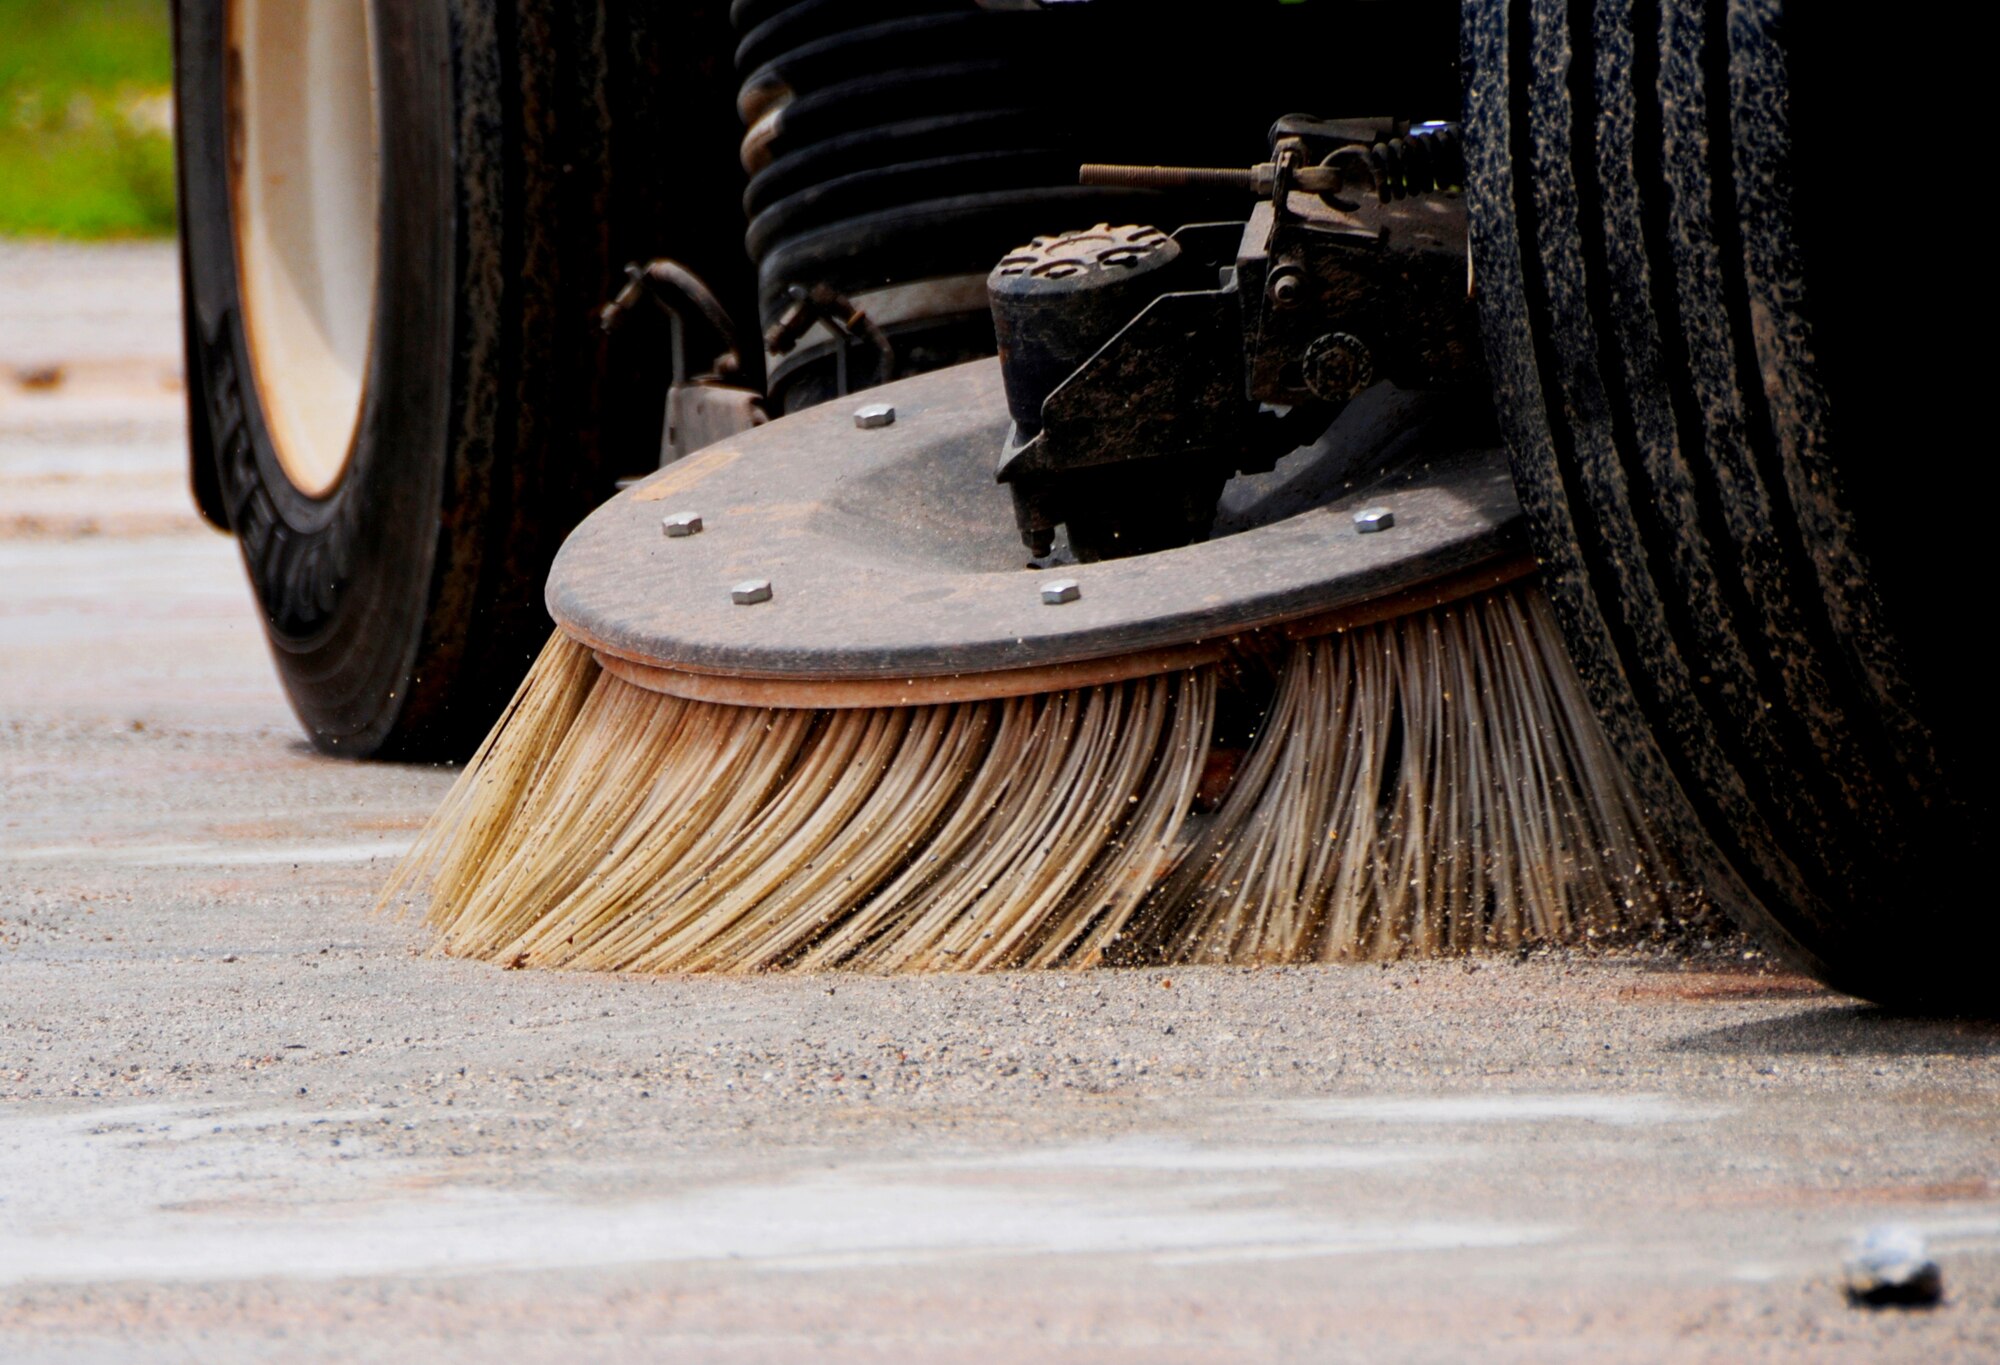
{"x": 244, "y": 1117}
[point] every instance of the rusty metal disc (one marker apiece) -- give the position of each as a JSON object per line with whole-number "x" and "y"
{"x": 896, "y": 576}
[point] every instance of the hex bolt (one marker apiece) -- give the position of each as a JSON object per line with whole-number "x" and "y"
{"x": 750, "y": 592}
{"x": 871, "y": 415}
{"x": 682, "y": 524}
{"x": 1061, "y": 591}
{"x": 1373, "y": 519}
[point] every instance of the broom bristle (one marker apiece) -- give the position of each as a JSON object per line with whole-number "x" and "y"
{"x": 1434, "y": 783}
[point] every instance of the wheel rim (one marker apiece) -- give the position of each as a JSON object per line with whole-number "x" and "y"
{"x": 304, "y": 147}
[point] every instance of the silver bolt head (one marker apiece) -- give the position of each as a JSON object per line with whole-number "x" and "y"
{"x": 750, "y": 592}
{"x": 682, "y": 524}
{"x": 871, "y": 415}
{"x": 1060, "y": 591}
{"x": 1374, "y": 519}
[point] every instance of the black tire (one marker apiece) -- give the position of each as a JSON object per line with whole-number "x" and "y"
{"x": 1765, "y": 605}
{"x": 403, "y": 605}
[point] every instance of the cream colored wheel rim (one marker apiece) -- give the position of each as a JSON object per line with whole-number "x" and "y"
{"x": 304, "y": 152}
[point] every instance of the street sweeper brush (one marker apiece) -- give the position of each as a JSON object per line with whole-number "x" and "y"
{"x": 806, "y": 708}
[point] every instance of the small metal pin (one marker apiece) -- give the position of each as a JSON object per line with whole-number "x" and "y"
{"x": 682, "y": 524}
{"x": 750, "y": 592}
{"x": 871, "y": 415}
{"x": 1061, "y": 591}
{"x": 1374, "y": 519}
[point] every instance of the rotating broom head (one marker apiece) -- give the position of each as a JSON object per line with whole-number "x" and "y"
{"x": 840, "y": 725}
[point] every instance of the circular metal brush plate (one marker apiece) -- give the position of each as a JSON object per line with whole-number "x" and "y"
{"x": 896, "y": 575}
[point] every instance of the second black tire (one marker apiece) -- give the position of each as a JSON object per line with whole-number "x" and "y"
{"x": 403, "y": 603}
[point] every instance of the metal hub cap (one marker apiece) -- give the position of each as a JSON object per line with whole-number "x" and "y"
{"x": 304, "y": 146}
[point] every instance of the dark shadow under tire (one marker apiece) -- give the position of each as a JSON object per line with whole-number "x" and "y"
{"x": 1670, "y": 322}
{"x": 403, "y": 604}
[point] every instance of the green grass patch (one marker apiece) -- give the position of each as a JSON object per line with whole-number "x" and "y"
{"x": 86, "y": 148}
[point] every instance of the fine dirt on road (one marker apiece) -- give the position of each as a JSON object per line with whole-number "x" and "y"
{"x": 243, "y": 1118}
